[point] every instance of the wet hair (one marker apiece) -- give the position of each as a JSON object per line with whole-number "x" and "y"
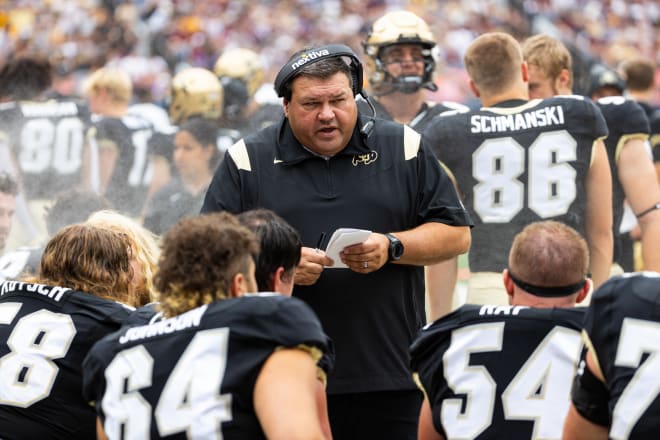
{"x": 493, "y": 61}
{"x": 25, "y": 77}
{"x": 200, "y": 257}
{"x": 88, "y": 259}
{"x": 73, "y": 206}
{"x": 143, "y": 243}
{"x": 323, "y": 69}
{"x": 8, "y": 184}
{"x": 549, "y": 254}
{"x": 280, "y": 245}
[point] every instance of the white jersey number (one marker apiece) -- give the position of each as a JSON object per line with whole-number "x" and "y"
{"x": 540, "y": 391}
{"x": 28, "y": 372}
{"x": 189, "y": 401}
{"x": 140, "y": 173}
{"x": 57, "y": 144}
{"x": 498, "y": 163}
{"x": 638, "y": 337}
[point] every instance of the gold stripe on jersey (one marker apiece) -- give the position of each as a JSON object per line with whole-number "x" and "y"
{"x": 315, "y": 353}
{"x": 625, "y": 138}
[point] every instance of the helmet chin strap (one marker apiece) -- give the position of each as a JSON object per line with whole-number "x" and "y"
{"x": 405, "y": 84}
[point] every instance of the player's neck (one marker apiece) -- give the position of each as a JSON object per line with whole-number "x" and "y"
{"x": 640, "y": 96}
{"x": 403, "y": 107}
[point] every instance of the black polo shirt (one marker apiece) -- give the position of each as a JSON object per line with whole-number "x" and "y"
{"x": 387, "y": 182}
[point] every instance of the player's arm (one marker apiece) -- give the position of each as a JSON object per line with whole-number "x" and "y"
{"x": 590, "y": 396}
{"x": 100, "y": 432}
{"x": 441, "y": 277}
{"x": 425, "y": 429}
{"x": 638, "y": 178}
{"x": 440, "y": 285}
{"x": 285, "y": 396}
{"x": 599, "y": 215}
{"x": 108, "y": 155}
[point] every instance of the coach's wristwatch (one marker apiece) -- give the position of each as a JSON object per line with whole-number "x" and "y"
{"x": 396, "y": 248}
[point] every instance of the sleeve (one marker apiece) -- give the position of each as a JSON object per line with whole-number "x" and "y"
{"x": 590, "y": 396}
{"x": 224, "y": 193}
{"x": 438, "y": 199}
{"x": 93, "y": 380}
{"x": 290, "y": 323}
{"x": 598, "y": 120}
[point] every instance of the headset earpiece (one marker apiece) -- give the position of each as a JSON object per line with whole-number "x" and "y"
{"x": 313, "y": 55}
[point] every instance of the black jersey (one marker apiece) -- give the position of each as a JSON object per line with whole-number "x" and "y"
{"x": 519, "y": 162}
{"x": 193, "y": 375}
{"x": 623, "y": 328}
{"x": 653, "y": 114}
{"x": 129, "y": 183}
{"x": 424, "y": 116}
{"x": 46, "y": 333}
{"x": 496, "y": 372}
{"x": 21, "y": 262}
{"x": 170, "y": 204}
{"x": 47, "y": 139}
{"x": 625, "y": 120}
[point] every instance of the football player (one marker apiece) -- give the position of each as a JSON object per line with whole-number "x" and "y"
{"x": 41, "y": 140}
{"x": 518, "y": 161}
{"x": 639, "y": 75}
{"x": 615, "y": 394}
{"x": 118, "y": 157}
{"x": 49, "y": 324}
{"x": 222, "y": 363}
{"x": 505, "y": 371}
{"x": 633, "y": 176}
{"x": 400, "y": 57}
{"x": 633, "y": 172}
{"x": 241, "y": 73}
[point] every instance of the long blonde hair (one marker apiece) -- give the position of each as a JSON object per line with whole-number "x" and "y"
{"x": 89, "y": 259}
{"x": 144, "y": 245}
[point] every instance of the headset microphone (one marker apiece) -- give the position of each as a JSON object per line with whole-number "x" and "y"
{"x": 368, "y": 127}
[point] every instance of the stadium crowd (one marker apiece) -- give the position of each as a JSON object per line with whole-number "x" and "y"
{"x": 153, "y": 39}
{"x": 171, "y": 172}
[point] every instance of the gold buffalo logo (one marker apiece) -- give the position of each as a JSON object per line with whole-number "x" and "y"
{"x": 365, "y": 159}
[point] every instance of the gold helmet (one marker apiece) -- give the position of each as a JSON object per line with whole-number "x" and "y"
{"x": 195, "y": 92}
{"x": 242, "y": 64}
{"x": 241, "y": 74}
{"x": 399, "y": 27}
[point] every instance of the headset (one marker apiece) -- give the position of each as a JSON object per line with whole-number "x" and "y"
{"x": 310, "y": 56}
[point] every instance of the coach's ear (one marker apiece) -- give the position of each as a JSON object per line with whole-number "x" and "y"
{"x": 508, "y": 284}
{"x": 582, "y": 294}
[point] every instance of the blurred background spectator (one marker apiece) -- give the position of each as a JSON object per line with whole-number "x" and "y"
{"x": 153, "y": 39}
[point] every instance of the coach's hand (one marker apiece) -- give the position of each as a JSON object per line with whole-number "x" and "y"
{"x": 311, "y": 266}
